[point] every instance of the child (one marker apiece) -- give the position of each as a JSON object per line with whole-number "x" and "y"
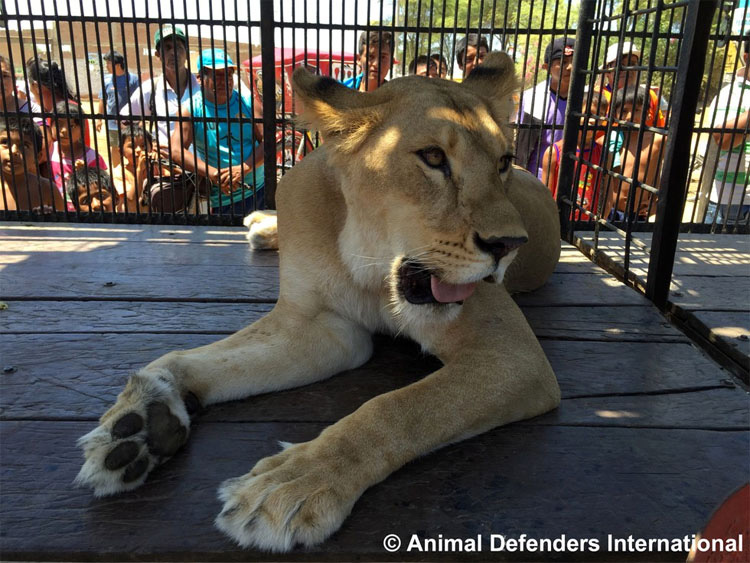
{"x": 90, "y": 190}
{"x": 131, "y": 177}
{"x": 624, "y": 145}
{"x": 590, "y": 148}
{"x": 23, "y": 189}
{"x": 69, "y": 146}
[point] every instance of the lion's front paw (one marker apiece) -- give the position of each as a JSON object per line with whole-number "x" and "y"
{"x": 146, "y": 426}
{"x": 287, "y": 499}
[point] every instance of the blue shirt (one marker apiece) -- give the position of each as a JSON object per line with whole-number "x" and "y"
{"x": 117, "y": 92}
{"x": 225, "y": 144}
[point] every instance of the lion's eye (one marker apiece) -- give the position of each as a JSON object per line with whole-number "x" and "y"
{"x": 433, "y": 157}
{"x": 505, "y": 162}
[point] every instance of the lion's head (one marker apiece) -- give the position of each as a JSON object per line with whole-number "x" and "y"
{"x": 425, "y": 167}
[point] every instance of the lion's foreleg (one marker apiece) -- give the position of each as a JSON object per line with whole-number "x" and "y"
{"x": 303, "y": 494}
{"x": 151, "y": 419}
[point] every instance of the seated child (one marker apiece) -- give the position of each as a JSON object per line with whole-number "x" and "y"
{"x": 590, "y": 148}
{"x": 624, "y": 145}
{"x": 90, "y": 190}
{"x": 23, "y": 189}
{"x": 131, "y": 177}
{"x": 69, "y": 146}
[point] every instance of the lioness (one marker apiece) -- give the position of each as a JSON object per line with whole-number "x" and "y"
{"x": 409, "y": 219}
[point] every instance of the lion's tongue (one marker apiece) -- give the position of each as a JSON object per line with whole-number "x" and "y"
{"x": 449, "y": 293}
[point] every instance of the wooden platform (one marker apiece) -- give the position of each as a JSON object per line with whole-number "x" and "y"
{"x": 650, "y": 437}
{"x": 710, "y": 290}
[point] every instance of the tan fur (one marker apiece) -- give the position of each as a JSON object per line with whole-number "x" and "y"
{"x": 263, "y": 233}
{"x": 348, "y": 215}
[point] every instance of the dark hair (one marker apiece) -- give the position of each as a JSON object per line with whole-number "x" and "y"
{"x": 4, "y": 59}
{"x": 25, "y": 125}
{"x": 632, "y": 95}
{"x": 368, "y": 38}
{"x": 50, "y": 75}
{"x": 599, "y": 102}
{"x": 132, "y": 132}
{"x": 440, "y": 60}
{"x": 69, "y": 110}
{"x": 471, "y": 40}
{"x": 421, "y": 60}
{"x": 86, "y": 178}
{"x": 115, "y": 58}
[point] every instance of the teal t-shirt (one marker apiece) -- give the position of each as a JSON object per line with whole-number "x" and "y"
{"x": 221, "y": 144}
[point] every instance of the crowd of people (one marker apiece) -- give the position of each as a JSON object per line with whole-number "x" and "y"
{"x": 184, "y": 129}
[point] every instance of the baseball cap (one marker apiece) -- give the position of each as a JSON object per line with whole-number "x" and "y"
{"x": 614, "y": 52}
{"x": 168, "y": 30}
{"x": 214, "y": 58}
{"x": 559, "y": 48}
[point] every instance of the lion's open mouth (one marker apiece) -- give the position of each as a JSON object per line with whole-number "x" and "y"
{"x": 419, "y": 286}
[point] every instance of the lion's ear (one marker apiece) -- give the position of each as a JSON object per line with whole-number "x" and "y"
{"x": 342, "y": 115}
{"x": 495, "y": 79}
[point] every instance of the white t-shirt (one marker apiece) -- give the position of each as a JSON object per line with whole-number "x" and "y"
{"x": 165, "y": 105}
{"x": 731, "y": 178}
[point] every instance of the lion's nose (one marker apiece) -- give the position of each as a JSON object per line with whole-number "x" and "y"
{"x": 499, "y": 247}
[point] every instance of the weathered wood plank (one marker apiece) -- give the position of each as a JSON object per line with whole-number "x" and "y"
{"x": 60, "y": 232}
{"x": 583, "y": 323}
{"x": 717, "y": 293}
{"x": 79, "y": 376}
{"x": 542, "y": 481}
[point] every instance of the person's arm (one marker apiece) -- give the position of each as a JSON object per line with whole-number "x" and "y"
{"x": 99, "y": 110}
{"x": 180, "y": 141}
{"x": 549, "y": 165}
{"x": 728, "y": 140}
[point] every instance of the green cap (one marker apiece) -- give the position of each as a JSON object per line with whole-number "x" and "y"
{"x": 168, "y": 30}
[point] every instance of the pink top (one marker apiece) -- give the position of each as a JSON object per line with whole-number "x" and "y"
{"x": 61, "y": 168}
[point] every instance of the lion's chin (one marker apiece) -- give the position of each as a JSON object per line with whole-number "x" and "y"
{"x": 420, "y": 286}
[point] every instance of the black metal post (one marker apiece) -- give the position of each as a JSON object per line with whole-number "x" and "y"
{"x": 572, "y": 121}
{"x": 673, "y": 184}
{"x": 267, "y": 47}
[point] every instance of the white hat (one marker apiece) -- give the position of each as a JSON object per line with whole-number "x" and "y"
{"x": 615, "y": 52}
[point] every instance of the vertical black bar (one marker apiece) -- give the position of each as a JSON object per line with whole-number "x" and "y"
{"x": 672, "y": 188}
{"x": 269, "y": 102}
{"x": 572, "y": 121}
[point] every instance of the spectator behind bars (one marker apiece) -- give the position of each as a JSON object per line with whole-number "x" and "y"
{"x": 22, "y": 188}
{"x": 424, "y": 66}
{"x": 543, "y": 106}
{"x": 470, "y": 52}
{"x": 119, "y": 85}
{"x": 441, "y": 63}
{"x": 729, "y": 201}
{"x": 11, "y": 101}
{"x": 163, "y": 95}
{"x": 132, "y": 176}
{"x": 629, "y": 106}
{"x": 227, "y": 153}
{"x": 90, "y": 190}
{"x": 628, "y": 55}
{"x": 69, "y": 147}
{"x": 375, "y": 60}
{"x": 590, "y": 149}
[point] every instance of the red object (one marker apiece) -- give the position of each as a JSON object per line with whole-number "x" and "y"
{"x": 335, "y": 64}
{"x": 730, "y": 521}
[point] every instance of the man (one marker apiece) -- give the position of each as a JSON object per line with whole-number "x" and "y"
{"x": 622, "y": 57}
{"x": 163, "y": 95}
{"x": 227, "y": 152}
{"x": 424, "y": 66}
{"x": 470, "y": 52}
{"x": 375, "y": 60}
{"x": 119, "y": 85}
{"x": 729, "y": 201}
{"x": 543, "y": 106}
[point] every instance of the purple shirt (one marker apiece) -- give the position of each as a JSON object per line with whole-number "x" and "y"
{"x": 552, "y": 113}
